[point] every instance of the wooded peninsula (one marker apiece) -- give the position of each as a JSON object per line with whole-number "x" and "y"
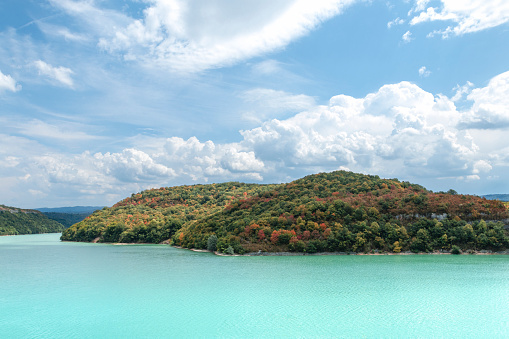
{"x": 327, "y": 212}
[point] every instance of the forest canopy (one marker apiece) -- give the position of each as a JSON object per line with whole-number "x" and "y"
{"x": 327, "y": 212}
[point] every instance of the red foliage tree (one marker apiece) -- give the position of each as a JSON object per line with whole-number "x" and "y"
{"x": 261, "y": 235}
{"x": 306, "y": 235}
{"x": 274, "y": 237}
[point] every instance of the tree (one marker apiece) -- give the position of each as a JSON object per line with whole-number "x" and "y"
{"x": 261, "y": 235}
{"x": 229, "y": 250}
{"x": 212, "y": 243}
{"x": 396, "y": 247}
{"x": 274, "y": 237}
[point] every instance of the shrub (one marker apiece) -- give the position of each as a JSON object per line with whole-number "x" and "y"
{"x": 298, "y": 246}
{"x": 455, "y": 250}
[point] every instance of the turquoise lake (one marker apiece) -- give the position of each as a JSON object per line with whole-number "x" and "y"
{"x": 52, "y": 289}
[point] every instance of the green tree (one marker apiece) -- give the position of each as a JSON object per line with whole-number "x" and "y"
{"x": 212, "y": 243}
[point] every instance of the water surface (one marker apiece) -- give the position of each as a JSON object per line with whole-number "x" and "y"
{"x": 77, "y": 290}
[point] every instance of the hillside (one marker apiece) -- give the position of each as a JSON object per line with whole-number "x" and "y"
{"x": 338, "y": 211}
{"x": 15, "y": 221}
{"x": 153, "y": 216}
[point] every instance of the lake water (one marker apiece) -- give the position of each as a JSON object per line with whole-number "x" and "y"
{"x": 51, "y": 289}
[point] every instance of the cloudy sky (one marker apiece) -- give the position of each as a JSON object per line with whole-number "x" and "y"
{"x": 103, "y": 98}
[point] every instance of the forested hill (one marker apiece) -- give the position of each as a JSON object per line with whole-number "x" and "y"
{"x": 335, "y": 212}
{"x": 15, "y": 221}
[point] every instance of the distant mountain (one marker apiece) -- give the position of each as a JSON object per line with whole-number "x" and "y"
{"x": 74, "y": 209}
{"x": 501, "y": 197}
{"x": 68, "y": 216}
{"x": 15, "y": 221}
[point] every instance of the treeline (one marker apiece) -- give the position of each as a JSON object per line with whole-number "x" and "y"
{"x": 335, "y": 212}
{"x": 14, "y": 221}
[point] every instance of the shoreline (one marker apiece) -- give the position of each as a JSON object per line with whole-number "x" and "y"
{"x": 290, "y": 254}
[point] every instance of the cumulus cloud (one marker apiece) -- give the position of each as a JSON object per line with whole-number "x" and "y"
{"x": 7, "y": 83}
{"x": 490, "y": 107}
{"x": 468, "y": 15}
{"x": 482, "y": 166}
{"x": 132, "y": 165}
{"x": 191, "y": 36}
{"x": 203, "y": 160}
{"x": 60, "y": 74}
{"x": 400, "y": 130}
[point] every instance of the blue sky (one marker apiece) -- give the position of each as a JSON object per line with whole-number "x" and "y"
{"x": 103, "y": 98}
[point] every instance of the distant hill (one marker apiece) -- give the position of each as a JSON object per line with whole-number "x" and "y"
{"x": 501, "y": 197}
{"x": 74, "y": 209}
{"x": 15, "y": 221}
{"x": 68, "y": 216}
{"x": 327, "y": 212}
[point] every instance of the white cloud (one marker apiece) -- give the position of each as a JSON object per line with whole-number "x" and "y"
{"x": 397, "y": 21}
{"x": 420, "y": 5}
{"x": 407, "y": 37}
{"x": 467, "y": 15}
{"x": 191, "y": 36}
{"x": 267, "y": 67}
{"x": 132, "y": 165}
{"x": 423, "y": 72}
{"x": 482, "y": 166}
{"x": 400, "y": 130}
{"x": 174, "y": 159}
{"x": 491, "y": 105}
{"x": 60, "y": 31}
{"x": 63, "y": 132}
{"x": 61, "y": 74}
{"x": 266, "y": 103}
{"x": 278, "y": 100}
{"x": 100, "y": 21}
{"x": 7, "y": 83}
{"x": 461, "y": 91}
